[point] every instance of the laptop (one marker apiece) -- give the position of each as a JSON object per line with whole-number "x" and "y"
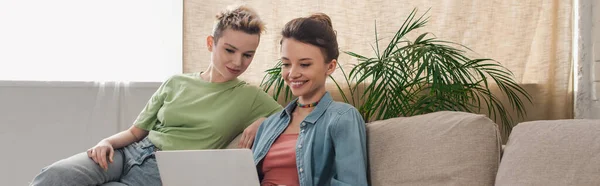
{"x": 224, "y": 167}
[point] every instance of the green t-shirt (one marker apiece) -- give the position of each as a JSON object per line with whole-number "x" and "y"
{"x": 188, "y": 113}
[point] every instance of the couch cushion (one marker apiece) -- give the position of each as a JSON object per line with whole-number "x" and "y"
{"x": 442, "y": 148}
{"x": 558, "y": 152}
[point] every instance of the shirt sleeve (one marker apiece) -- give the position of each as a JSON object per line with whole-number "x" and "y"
{"x": 350, "y": 145}
{"x": 263, "y": 106}
{"x": 148, "y": 116}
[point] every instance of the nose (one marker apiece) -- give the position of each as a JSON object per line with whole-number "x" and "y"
{"x": 294, "y": 73}
{"x": 237, "y": 61}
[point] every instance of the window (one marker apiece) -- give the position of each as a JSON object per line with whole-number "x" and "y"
{"x": 74, "y": 40}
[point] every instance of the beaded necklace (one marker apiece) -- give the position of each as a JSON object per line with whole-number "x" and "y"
{"x": 306, "y": 105}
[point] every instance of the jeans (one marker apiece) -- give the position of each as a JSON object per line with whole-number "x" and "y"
{"x": 134, "y": 164}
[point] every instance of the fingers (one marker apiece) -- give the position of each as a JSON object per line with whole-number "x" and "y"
{"x": 97, "y": 157}
{"x": 250, "y": 139}
{"x": 249, "y": 143}
{"x": 246, "y": 141}
{"x": 243, "y": 141}
{"x": 249, "y": 134}
{"x": 102, "y": 158}
{"x": 110, "y": 156}
{"x": 92, "y": 154}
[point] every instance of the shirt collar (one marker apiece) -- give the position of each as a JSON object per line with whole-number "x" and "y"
{"x": 315, "y": 114}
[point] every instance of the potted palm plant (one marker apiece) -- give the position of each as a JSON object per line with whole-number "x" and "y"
{"x": 424, "y": 75}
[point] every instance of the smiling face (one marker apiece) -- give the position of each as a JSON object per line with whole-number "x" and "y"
{"x": 232, "y": 54}
{"x": 304, "y": 69}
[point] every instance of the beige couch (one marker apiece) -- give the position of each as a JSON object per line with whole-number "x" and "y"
{"x": 457, "y": 148}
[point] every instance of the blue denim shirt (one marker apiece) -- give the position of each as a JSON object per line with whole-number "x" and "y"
{"x": 331, "y": 147}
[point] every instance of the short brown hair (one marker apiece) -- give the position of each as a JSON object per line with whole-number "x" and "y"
{"x": 240, "y": 18}
{"x": 316, "y": 30}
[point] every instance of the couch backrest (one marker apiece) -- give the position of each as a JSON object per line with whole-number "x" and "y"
{"x": 442, "y": 148}
{"x": 557, "y": 152}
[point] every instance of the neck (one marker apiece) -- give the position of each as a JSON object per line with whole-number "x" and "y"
{"x": 300, "y": 110}
{"x": 312, "y": 97}
{"x": 212, "y": 75}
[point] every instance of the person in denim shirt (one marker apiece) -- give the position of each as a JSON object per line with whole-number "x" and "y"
{"x": 314, "y": 140}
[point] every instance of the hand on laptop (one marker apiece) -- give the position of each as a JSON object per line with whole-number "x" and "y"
{"x": 249, "y": 134}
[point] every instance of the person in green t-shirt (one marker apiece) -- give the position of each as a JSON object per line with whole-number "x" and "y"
{"x": 188, "y": 111}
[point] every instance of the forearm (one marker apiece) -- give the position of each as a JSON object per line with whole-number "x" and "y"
{"x": 126, "y": 137}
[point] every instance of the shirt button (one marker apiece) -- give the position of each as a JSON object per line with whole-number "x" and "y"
{"x": 299, "y": 146}
{"x": 303, "y": 124}
{"x": 302, "y": 131}
{"x": 301, "y": 170}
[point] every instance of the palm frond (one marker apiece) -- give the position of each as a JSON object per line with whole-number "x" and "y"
{"x": 424, "y": 75}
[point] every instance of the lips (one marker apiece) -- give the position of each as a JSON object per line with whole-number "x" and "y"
{"x": 233, "y": 71}
{"x": 297, "y": 84}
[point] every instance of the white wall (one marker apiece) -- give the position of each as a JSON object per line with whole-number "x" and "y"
{"x": 42, "y": 122}
{"x": 74, "y": 40}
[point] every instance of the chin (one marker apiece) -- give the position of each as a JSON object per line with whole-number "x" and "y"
{"x": 228, "y": 75}
{"x": 302, "y": 91}
{"x": 299, "y": 93}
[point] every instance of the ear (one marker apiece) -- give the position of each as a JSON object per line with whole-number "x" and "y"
{"x": 210, "y": 43}
{"x": 331, "y": 67}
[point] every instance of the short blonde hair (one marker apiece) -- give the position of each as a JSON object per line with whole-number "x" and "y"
{"x": 240, "y": 18}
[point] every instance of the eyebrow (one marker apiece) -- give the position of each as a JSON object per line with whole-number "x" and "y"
{"x": 303, "y": 59}
{"x": 235, "y": 48}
